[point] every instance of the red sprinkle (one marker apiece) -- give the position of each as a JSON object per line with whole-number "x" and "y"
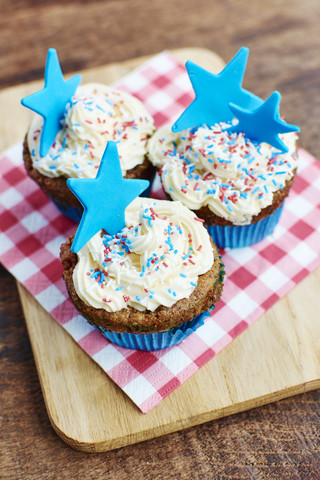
{"x": 199, "y": 219}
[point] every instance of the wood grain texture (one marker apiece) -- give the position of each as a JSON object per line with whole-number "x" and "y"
{"x": 277, "y": 441}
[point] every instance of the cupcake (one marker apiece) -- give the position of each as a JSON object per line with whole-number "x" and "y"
{"x": 229, "y": 157}
{"x": 93, "y": 114}
{"x": 149, "y": 284}
{"x": 237, "y": 186}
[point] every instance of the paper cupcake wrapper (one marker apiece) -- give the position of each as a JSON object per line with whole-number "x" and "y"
{"x": 74, "y": 213}
{"x": 245, "y": 235}
{"x": 159, "y": 340}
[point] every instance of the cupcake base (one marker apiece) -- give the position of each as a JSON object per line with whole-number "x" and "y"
{"x": 238, "y": 236}
{"x": 159, "y": 340}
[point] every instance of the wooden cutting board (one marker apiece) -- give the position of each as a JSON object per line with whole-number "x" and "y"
{"x": 278, "y": 356}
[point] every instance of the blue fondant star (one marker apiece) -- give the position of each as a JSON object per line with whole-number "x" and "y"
{"x": 263, "y": 124}
{"x": 104, "y": 198}
{"x": 215, "y": 92}
{"x": 50, "y": 102}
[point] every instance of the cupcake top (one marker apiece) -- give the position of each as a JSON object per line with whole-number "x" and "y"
{"x": 231, "y": 174}
{"x": 154, "y": 260}
{"x": 96, "y": 113}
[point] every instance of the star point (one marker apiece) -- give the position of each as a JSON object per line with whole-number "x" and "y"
{"x": 215, "y": 92}
{"x": 104, "y": 198}
{"x": 51, "y": 101}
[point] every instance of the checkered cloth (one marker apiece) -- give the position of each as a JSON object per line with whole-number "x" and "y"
{"x": 33, "y": 229}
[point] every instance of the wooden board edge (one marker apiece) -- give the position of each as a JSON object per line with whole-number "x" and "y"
{"x": 154, "y": 432}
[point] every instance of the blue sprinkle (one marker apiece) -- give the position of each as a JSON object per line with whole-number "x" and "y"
{"x": 183, "y": 275}
{"x": 193, "y": 284}
{"x": 168, "y": 242}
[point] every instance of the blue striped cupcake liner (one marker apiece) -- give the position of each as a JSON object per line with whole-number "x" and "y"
{"x": 244, "y": 235}
{"x": 158, "y": 340}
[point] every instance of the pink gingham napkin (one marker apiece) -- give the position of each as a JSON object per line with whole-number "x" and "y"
{"x": 32, "y": 230}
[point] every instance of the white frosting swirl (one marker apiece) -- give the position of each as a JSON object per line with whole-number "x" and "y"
{"x": 96, "y": 114}
{"x": 155, "y": 260}
{"x": 234, "y": 176}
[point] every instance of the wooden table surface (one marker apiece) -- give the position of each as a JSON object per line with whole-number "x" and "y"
{"x": 278, "y": 441}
